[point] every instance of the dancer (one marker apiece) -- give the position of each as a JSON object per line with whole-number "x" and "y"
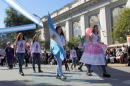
{"x": 94, "y": 53}
{"x": 20, "y": 51}
{"x": 35, "y": 53}
{"x": 58, "y": 51}
{"x": 9, "y": 55}
{"x": 73, "y": 57}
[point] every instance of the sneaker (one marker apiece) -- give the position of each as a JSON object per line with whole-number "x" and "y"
{"x": 89, "y": 73}
{"x": 63, "y": 77}
{"x": 106, "y": 75}
{"x": 80, "y": 69}
{"x": 58, "y": 77}
{"x": 21, "y": 73}
{"x": 40, "y": 71}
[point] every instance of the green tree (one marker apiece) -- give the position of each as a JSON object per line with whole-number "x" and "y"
{"x": 74, "y": 41}
{"x": 14, "y": 18}
{"x": 122, "y": 27}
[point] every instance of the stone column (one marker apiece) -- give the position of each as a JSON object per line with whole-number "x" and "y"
{"x": 82, "y": 24}
{"x": 67, "y": 28}
{"x": 105, "y": 25}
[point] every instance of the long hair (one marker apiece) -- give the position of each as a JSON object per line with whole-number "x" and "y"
{"x": 18, "y": 37}
{"x": 62, "y": 33}
{"x": 94, "y": 29}
{"x": 34, "y": 38}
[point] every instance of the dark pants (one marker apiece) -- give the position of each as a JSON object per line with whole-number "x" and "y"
{"x": 10, "y": 61}
{"x": 36, "y": 60}
{"x": 20, "y": 57}
{"x": 80, "y": 66}
{"x": 102, "y": 66}
{"x": 27, "y": 60}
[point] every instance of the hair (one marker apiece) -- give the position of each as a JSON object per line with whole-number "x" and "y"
{"x": 62, "y": 33}
{"x": 18, "y": 37}
{"x": 94, "y": 28}
{"x": 34, "y": 37}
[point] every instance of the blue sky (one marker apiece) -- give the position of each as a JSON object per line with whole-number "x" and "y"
{"x": 38, "y": 7}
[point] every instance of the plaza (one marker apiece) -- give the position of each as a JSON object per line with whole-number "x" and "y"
{"x": 73, "y": 18}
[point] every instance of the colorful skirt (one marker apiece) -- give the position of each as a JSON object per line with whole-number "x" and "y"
{"x": 94, "y": 54}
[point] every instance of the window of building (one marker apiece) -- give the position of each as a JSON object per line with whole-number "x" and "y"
{"x": 76, "y": 29}
{"x": 93, "y": 20}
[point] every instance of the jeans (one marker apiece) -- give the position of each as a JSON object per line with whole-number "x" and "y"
{"x": 20, "y": 57}
{"x": 36, "y": 60}
{"x": 59, "y": 71}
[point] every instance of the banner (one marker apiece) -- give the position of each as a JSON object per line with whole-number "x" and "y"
{"x": 128, "y": 40}
{"x": 18, "y": 28}
{"x": 17, "y": 7}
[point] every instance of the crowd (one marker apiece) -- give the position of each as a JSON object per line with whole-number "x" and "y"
{"x": 118, "y": 54}
{"x": 91, "y": 53}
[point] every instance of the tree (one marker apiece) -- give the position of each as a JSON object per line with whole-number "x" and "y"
{"x": 74, "y": 41}
{"x": 122, "y": 27}
{"x": 15, "y": 19}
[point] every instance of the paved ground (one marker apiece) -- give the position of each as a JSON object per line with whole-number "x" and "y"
{"x": 120, "y": 77}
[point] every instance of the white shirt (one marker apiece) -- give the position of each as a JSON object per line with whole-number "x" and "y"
{"x": 35, "y": 47}
{"x": 73, "y": 54}
{"x": 20, "y": 46}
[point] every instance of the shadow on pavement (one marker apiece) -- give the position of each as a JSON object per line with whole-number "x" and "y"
{"x": 119, "y": 78}
{"x": 23, "y": 83}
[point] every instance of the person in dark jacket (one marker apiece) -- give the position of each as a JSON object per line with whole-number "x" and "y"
{"x": 9, "y": 55}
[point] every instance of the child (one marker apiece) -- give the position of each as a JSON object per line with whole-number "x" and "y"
{"x": 94, "y": 53}
{"x": 73, "y": 56}
{"x": 56, "y": 44}
{"x": 20, "y": 51}
{"x": 36, "y": 53}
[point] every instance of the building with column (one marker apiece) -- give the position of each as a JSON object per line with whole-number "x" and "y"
{"x": 75, "y": 17}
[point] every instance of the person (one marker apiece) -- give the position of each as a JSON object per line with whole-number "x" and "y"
{"x": 56, "y": 47}
{"x": 128, "y": 55}
{"x": 27, "y": 53}
{"x": 35, "y": 53}
{"x": 119, "y": 56}
{"x": 9, "y": 55}
{"x": 73, "y": 57}
{"x": 94, "y": 53}
{"x": 20, "y": 51}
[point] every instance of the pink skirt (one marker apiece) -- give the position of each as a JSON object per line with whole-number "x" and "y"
{"x": 94, "y": 54}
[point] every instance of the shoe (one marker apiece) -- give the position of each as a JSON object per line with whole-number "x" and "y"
{"x": 40, "y": 71}
{"x": 21, "y": 73}
{"x": 58, "y": 77}
{"x": 89, "y": 74}
{"x": 106, "y": 75}
{"x": 80, "y": 69}
{"x": 63, "y": 78}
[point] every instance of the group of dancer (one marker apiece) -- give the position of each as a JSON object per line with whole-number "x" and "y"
{"x": 35, "y": 52}
{"x": 93, "y": 53}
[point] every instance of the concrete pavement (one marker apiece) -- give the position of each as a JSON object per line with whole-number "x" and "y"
{"x": 120, "y": 77}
